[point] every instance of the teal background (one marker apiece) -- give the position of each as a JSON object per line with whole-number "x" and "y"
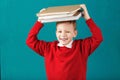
{"x": 18, "y": 62}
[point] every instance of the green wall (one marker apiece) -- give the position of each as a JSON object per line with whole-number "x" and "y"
{"x": 18, "y": 62}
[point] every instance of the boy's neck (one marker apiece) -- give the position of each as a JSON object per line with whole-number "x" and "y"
{"x": 69, "y": 45}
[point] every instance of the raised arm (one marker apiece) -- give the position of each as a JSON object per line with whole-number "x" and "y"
{"x": 32, "y": 41}
{"x": 91, "y": 43}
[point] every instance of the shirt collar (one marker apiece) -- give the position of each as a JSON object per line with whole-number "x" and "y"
{"x": 68, "y": 45}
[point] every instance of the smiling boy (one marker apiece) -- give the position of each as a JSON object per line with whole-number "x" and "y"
{"x": 66, "y": 59}
{"x": 65, "y": 32}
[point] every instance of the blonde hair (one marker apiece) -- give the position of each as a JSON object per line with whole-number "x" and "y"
{"x": 70, "y": 22}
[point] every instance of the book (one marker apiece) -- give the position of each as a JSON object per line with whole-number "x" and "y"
{"x": 59, "y": 10}
{"x": 75, "y": 17}
{"x": 59, "y": 13}
{"x": 55, "y": 16}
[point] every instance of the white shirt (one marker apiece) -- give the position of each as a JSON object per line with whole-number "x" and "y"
{"x": 68, "y": 45}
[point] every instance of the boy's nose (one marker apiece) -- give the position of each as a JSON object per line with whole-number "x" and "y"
{"x": 63, "y": 34}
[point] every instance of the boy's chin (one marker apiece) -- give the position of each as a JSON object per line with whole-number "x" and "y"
{"x": 64, "y": 43}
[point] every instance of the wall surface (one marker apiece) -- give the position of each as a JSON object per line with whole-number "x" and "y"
{"x": 18, "y": 62}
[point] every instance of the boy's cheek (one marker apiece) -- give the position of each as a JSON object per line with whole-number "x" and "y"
{"x": 57, "y": 34}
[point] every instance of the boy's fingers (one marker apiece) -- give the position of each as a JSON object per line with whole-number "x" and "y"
{"x": 82, "y": 14}
{"x": 82, "y": 5}
{"x": 42, "y": 9}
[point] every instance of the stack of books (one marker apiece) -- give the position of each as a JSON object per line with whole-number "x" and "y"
{"x": 59, "y": 13}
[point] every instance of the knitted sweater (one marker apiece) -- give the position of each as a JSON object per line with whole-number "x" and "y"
{"x": 64, "y": 63}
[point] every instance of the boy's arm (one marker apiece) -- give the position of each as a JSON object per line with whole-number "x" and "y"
{"x": 32, "y": 41}
{"x": 91, "y": 43}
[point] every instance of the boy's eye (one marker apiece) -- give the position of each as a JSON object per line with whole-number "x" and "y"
{"x": 67, "y": 31}
{"x": 59, "y": 31}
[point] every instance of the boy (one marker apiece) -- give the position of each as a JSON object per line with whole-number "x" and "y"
{"x": 66, "y": 59}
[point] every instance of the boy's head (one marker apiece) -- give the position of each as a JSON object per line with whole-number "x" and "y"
{"x": 66, "y": 31}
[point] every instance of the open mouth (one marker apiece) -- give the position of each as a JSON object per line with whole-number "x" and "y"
{"x": 63, "y": 39}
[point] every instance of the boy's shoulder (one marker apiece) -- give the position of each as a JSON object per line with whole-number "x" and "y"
{"x": 77, "y": 42}
{"x": 53, "y": 43}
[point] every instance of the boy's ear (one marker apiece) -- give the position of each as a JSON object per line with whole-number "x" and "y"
{"x": 75, "y": 33}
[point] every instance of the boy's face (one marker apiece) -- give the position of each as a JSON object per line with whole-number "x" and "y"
{"x": 65, "y": 33}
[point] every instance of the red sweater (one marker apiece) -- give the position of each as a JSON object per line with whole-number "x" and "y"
{"x": 65, "y": 63}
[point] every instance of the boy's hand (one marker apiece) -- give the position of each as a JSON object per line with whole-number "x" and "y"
{"x": 40, "y": 11}
{"x": 85, "y": 12}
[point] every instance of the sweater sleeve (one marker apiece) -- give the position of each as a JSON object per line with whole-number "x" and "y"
{"x": 32, "y": 41}
{"x": 91, "y": 43}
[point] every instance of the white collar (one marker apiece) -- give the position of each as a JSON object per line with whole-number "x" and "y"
{"x": 68, "y": 45}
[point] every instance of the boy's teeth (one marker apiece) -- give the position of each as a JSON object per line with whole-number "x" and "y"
{"x": 63, "y": 38}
